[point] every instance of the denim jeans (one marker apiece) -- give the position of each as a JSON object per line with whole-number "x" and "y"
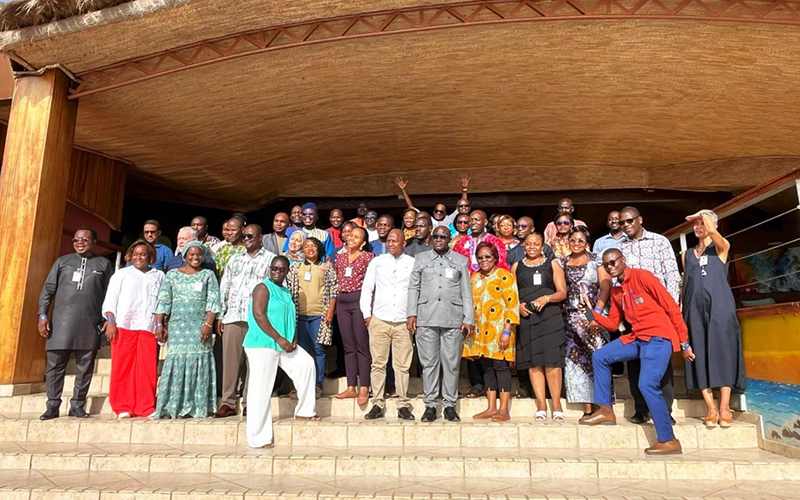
{"x": 307, "y": 330}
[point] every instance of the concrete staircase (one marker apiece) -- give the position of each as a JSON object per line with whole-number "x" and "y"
{"x": 345, "y": 456}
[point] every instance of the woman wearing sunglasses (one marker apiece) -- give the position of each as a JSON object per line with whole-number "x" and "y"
{"x": 462, "y": 228}
{"x": 496, "y": 304}
{"x": 560, "y": 242}
{"x": 540, "y": 339}
{"x": 586, "y": 280}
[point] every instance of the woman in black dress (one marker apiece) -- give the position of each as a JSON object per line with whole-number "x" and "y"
{"x": 541, "y": 338}
{"x": 710, "y": 313}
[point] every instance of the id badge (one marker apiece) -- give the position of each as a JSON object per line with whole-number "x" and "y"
{"x": 348, "y": 272}
{"x": 704, "y": 260}
{"x": 198, "y": 287}
{"x": 448, "y": 273}
{"x": 474, "y": 260}
{"x": 639, "y": 300}
{"x": 307, "y": 276}
{"x": 537, "y": 279}
{"x": 76, "y": 276}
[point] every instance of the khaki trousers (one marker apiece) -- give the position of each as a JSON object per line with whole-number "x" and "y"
{"x": 234, "y": 362}
{"x": 385, "y": 335}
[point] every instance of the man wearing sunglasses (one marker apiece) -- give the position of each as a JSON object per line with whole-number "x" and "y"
{"x": 524, "y": 228}
{"x": 151, "y": 233}
{"x": 565, "y": 207}
{"x": 657, "y": 331}
{"x": 440, "y": 216}
{"x": 78, "y": 283}
{"x": 309, "y": 227}
{"x": 243, "y": 273}
{"x": 651, "y": 252}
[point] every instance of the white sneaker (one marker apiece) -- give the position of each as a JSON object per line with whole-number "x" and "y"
{"x": 152, "y": 416}
{"x": 124, "y": 414}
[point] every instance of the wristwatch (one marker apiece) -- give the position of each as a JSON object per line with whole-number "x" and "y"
{"x": 685, "y": 346}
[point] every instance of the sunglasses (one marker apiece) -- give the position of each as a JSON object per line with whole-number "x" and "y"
{"x": 563, "y": 223}
{"x": 248, "y": 236}
{"x": 150, "y": 232}
{"x": 577, "y": 242}
{"x": 309, "y": 212}
{"x": 625, "y": 222}
{"x": 485, "y": 257}
{"x": 80, "y": 240}
{"x": 523, "y": 226}
{"x": 611, "y": 263}
{"x": 462, "y": 222}
{"x": 277, "y": 269}
{"x": 439, "y": 236}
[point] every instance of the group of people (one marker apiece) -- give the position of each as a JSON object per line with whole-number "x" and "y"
{"x": 443, "y": 287}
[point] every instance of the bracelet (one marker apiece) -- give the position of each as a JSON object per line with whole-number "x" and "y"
{"x": 546, "y": 299}
{"x": 685, "y": 346}
{"x": 206, "y": 324}
{"x": 111, "y": 320}
{"x": 42, "y": 316}
{"x": 598, "y": 310}
{"x": 506, "y": 332}
{"x": 159, "y": 325}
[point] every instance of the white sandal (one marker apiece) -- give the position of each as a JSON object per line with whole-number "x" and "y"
{"x": 558, "y": 416}
{"x": 540, "y": 416}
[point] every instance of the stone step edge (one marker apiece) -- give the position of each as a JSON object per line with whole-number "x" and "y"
{"x": 676, "y": 467}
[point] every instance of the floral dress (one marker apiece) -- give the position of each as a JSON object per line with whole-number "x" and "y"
{"x": 496, "y": 303}
{"x": 560, "y": 247}
{"x": 582, "y": 340}
{"x": 187, "y": 386}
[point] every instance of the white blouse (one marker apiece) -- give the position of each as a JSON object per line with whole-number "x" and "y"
{"x": 131, "y": 297}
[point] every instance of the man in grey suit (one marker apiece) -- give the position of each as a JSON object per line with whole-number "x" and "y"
{"x": 274, "y": 242}
{"x": 439, "y": 314}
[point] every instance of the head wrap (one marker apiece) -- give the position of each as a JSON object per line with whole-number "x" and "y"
{"x": 191, "y": 244}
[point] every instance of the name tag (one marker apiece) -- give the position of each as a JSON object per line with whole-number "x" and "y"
{"x": 537, "y": 279}
{"x": 198, "y": 287}
{"x": 448, "y": 273}
{"x": 638, "y": 300}
{"x": 474, "y": 260}
{"x": 307, "y": 275}
{"x": 76, "y": 276}
{"x": 480, "y": 283}
{"x": 704, "y": 260}
{"x": 348, "y": 272}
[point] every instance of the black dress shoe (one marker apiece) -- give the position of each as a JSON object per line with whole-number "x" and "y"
{"x": 78, "y": 412}
{"x": 49, "y": 415}
{"x": 640, "y": 417}
{"x": 429, "y": 415}
{"x": 374, "y": 413}
{"x": 405, "y": 414}
{"x": 451, "y": 415}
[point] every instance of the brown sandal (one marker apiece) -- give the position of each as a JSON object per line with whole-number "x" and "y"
{"x": 475, "y": 393}
{"x": 315, "y": 418}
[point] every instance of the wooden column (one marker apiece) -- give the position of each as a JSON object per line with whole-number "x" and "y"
{"x": 33, "y": 194}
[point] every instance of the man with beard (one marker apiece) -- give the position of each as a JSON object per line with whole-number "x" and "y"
{"x": 611, "y": 240}
{"x": 275, "y": 241}
{"x": 296, "y": 217}
{"x": 422, "y": 242}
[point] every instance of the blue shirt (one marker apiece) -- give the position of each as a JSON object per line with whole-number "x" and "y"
{"x": 602, "y": 244}
{"x": 378, "y": 248}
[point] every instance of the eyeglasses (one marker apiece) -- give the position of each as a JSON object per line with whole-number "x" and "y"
{"x": 277, "y": 269}
{"x": 523, "y": 226}
{"x": 563, "y": 223}
{"x": 611, "y": 263}
{"x": 462, "y": 222}
{"x": 577, "y": 242}
{"x": 463, "y": 205}
{"x": 150, "y": 232}
{"x": 625, "y": 222}
{"x": 485, "y": 257}
{"x": 309, "y": 212}
{"x": 248, "y": 236}
{"x": 370, "y": 217}
{"x": 438, "y": 211}
{"x": 80, "y": 240}
{"x": 439, "y": 236}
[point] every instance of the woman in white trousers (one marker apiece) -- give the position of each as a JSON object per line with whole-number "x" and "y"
{"x": 270, "y": 342}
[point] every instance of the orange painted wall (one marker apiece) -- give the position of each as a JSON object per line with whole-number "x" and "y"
{"x": 772, "y": 347}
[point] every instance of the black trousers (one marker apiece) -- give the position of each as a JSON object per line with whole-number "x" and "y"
{"x": 475, "y": 374}
{"x": 667, "y": 385}
{"x": 56, "y": 369}
{"x": 496, "y": 374}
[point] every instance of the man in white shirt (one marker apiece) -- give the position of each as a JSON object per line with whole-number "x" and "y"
{"x": 384, "y": 297}
{"x": 242, "y": 274}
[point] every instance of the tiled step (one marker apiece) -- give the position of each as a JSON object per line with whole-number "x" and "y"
{"x": 486, "y": 462}
{"x": 387, "y": 432}
{"x": 61, "y": 485}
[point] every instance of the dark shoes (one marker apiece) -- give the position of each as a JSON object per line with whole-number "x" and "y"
{"x": 225, "y": 411}
{"x": 603, "y": 416}
{"x": 405, "y": 414}
{"x": 429, "y": 415}
{"x": 451, "y": 415}
{"x": 78, "y": 412}
{"x": 375, "y": 413}
{"x": 667, "y": 448}
{"x": 49, "y": 414}
{"x": 640, "y": 417}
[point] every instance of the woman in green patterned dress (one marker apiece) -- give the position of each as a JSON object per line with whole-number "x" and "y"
{"x": 188, "y": 300}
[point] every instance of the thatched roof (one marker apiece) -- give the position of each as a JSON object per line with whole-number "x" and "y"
{"x": 18, "y": 14}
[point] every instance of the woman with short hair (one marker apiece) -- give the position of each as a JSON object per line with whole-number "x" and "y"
{"x": 506, "y": 229}
{"x": 560, "y": 242}
{"x": 130, "y": 327}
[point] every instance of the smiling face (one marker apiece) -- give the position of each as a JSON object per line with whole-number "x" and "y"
{"x": 383, "y": 226}
{"x": 506, "y": 228}
{"x": 462, "y": 223}
{"x": 309, "y": 217}
{"x": 278, "y": 270}
{"x": 577, "y": 243}
{"x": 409, "y": 217}
{"x": 463, "y": 206}
{"x": 441, "y": 239}
{"x": 310, "y": 251}
{"x": 140, "y": 257}
{"x": 357, "y": 238}
{"x": 524, "y": 227}
{"x": 296, "y": 215}
{"x": 486, "y": 259}
{"x": 631, "y": 223}
{"x": 370, "y": 219}
{"x": 194, "y": 257}
{"x": 533, "y": 246}
{"x": 563, "y": 225}
{"x": 336, "y": 218}
{"x": 235, "y": 230}
{"x": 82, "y": 242}
{"x": 565, "y": 206}
{"x": 347, "y": 230}
{"x": 251, "y": 236}
{"x": 613, "y": 221}
{"x": 614, "y": 263}
{"x": 362, "y": 209}
{"x": 295, "y": 242}
{"x": 439, "y": 212}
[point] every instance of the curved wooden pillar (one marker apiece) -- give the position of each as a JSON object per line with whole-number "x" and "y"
{"x": 33, "y": 194}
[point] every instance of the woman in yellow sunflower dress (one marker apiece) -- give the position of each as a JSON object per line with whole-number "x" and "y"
{"x": 496, "y": 302}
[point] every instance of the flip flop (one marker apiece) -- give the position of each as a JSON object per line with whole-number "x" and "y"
{"x": 540, "y": 416}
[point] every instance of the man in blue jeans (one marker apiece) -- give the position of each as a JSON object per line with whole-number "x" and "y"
{"x": 657, "y": 331}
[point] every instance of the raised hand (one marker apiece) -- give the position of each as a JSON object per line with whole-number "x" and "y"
{"x": 401, "y": 183}
{"x": 464, "y": 181}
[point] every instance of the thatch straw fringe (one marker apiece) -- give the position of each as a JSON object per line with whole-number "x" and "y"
{"x": 23, "y": 21}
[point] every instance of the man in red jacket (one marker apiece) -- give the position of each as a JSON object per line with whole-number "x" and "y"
{"x": 657, "y": 331}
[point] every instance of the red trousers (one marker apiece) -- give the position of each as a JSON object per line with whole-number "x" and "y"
{"x": 134, "y": 374}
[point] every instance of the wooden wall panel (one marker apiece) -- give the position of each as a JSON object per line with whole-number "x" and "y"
{"x": 33, "y": 195}
{"x": 97, "y": 184}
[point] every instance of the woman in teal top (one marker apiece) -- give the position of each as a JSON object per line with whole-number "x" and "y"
{"x": 188, "y": 301}
{"x": 270, "y": 342}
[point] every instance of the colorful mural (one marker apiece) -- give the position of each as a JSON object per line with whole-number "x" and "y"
{"x": 779, "y": 407}
{"x": 779, "y": 262}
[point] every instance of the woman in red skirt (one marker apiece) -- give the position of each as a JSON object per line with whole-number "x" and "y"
{"x": 128, "y": 308}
